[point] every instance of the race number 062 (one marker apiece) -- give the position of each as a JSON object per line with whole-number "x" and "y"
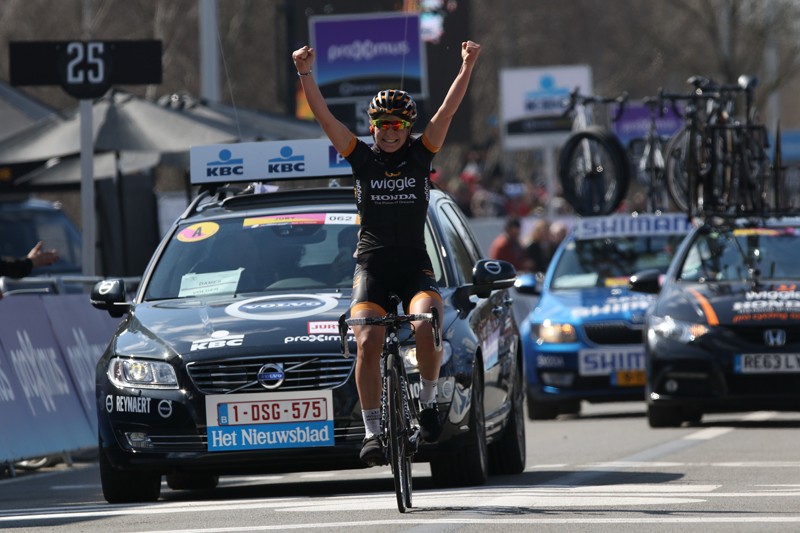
{"x": 85, "y": 63}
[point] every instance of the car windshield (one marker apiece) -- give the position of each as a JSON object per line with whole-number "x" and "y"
{"x": 609, "y": 262}
{"x": 244, "y": 254}
{"x": 20, "y": 229}
{"x": 743, "y": 254}
{"x": 251, "y": 254}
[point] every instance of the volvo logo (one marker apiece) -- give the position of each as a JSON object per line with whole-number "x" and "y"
{"x": 271, "y": 376}
{"x": 775, "y": 337}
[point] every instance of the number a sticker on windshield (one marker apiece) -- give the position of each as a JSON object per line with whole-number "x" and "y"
{"x": 198, "y": 232}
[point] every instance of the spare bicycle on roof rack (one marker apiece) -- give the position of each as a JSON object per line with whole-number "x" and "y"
{"x": 718, "y": 163}
{"x": 593, "y": 166}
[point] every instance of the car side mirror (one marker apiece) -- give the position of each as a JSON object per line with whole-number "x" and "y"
{"x": 109, "y": 295}
{"x": 492, "y": 274}
{"x": 647, "y": 281}
{"x": 529, "y": 284}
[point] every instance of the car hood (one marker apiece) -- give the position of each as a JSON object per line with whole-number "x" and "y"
{"x": 733, "y": 303}
{"x": 594, "y": 304}
{"x": 206, "y": 328}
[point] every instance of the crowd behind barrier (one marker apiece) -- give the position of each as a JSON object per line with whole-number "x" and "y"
{"x": 49, "y": 346}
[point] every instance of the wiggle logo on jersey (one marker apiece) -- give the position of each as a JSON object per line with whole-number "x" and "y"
{"x": 388, "y": 184}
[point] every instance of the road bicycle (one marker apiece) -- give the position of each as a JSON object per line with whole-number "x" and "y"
{"x": 717, "y": 164}
{"x": 651, "y": 166}
{"x": 593, "y": 167}
{"x": 399, "y": 433}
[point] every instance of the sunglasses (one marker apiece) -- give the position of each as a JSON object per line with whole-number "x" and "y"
{"x": 391, "y": 124}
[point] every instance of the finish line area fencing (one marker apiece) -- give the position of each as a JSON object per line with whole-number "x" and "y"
{"x": 49, "y": 347}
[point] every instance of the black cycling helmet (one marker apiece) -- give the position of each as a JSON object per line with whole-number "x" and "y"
{"x": 393, "y": 102}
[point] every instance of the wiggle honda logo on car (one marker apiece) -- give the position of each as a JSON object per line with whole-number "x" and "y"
{"x": 286, "y": 163}
{"x": 226, "y": 165}
{"x": 282, "y": 307}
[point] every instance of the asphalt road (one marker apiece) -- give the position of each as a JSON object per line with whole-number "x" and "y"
{"x": 605, "y": 470}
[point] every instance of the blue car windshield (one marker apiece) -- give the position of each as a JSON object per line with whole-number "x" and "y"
{"x": 743, "y": 254}
{"x": 609, "y": 262}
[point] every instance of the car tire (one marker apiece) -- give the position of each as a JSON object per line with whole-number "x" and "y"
{"x": 664, "y": 416}
{"x": 542, "y": 410}
{"x": 507, "y": 455}
{"x": 468, "y": 465}
{"x": 192, "y": 480}
{"x": 128, "y": 486}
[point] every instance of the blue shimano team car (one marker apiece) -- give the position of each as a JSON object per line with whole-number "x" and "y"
{"x": 583, "y": 338}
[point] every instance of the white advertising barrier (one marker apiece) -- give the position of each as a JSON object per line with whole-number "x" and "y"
{"x": 533, "y": 102}
{"x": 49, "y": 346}
{"x": 268, "y": 160}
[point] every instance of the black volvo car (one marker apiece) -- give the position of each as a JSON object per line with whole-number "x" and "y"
{"x": 228, "y": 360}
{"x": 724, "y": 332}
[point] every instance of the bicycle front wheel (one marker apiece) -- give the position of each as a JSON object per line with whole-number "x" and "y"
{"x": 399, "y": 455}
{"x": 594, "y": 172}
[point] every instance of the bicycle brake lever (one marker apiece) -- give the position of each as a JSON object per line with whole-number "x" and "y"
{"x": 343, "y": 337}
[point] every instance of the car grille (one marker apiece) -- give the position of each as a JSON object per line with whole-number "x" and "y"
{"x": 755, "y": 334}
{"x": 617, "y": 332}
{"x": 239, "y": 375}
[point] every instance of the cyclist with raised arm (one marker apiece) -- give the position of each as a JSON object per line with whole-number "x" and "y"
{"x": 392, "y": 184}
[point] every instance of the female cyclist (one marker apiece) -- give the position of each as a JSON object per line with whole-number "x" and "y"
{"x": 392, "y": 188}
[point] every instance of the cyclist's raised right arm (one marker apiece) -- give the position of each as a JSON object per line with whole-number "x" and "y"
{"x": 340, "y": 136}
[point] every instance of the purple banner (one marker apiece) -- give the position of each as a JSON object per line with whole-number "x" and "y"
{"x": 83, "y": 333}
{"x": 359, "y": 55}
{"x": 635, "y": 122}
{"x": 49, "y": 345}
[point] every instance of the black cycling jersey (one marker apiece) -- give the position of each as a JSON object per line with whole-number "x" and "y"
{"x": 392, "y": 193}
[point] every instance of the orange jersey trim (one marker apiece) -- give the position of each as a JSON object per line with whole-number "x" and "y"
{"x": 426, "y": 294}
{"x": 429, "y": 146}
{"x": 367, "y": 306}
{"x": 350, "y": 147}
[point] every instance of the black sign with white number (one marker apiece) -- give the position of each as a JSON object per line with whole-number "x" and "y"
{"x": 85, "y": 69}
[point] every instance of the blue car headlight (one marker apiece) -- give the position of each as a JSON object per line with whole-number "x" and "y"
{"x": 553, "y": 332}
{"x": 142, "y": 373}
{"x": 677, "y": 330}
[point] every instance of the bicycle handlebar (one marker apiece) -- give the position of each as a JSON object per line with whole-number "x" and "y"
{"x": 575, "y": 98}
{"x": 391, "y": 320}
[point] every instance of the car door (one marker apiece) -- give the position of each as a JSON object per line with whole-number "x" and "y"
{"x": 491, "y": 318}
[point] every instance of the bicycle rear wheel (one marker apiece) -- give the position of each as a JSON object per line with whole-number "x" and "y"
{"x": 399, "y": 455}
{"x": 594, "y": 172}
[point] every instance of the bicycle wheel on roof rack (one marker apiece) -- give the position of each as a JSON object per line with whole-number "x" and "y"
{"x": 594, "y": 172}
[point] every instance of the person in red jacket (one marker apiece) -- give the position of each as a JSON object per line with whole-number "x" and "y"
{"x": 507, "y": 247}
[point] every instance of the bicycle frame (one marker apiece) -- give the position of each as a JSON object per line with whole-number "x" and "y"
{"x": 399, "y": 435}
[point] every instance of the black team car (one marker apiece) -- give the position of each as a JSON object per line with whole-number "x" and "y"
{"x": 227, "y": 360}
{"x": 724, "y": 332}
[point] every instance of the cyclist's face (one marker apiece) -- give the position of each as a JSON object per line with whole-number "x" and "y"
{"x": 390, "y": 133}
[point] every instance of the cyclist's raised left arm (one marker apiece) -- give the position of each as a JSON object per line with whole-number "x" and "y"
{"x": 436, "y": 130}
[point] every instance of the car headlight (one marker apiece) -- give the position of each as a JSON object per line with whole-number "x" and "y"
{"x": 409, "y": 355}
{"x": 677, "y": 330}
{"x": 139, "y": 373}
{"x": 553, "y": 332}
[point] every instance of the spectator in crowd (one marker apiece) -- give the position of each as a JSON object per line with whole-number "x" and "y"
{"x": 23, "y": 266}
{"x": 558, "y": 231}
{"x": 507, "y": 246}
{"x": 540, "y": 247}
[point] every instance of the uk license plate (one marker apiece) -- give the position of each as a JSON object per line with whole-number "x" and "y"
{"x": 269, "y": 420}
{"x": 767, "y": 363}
